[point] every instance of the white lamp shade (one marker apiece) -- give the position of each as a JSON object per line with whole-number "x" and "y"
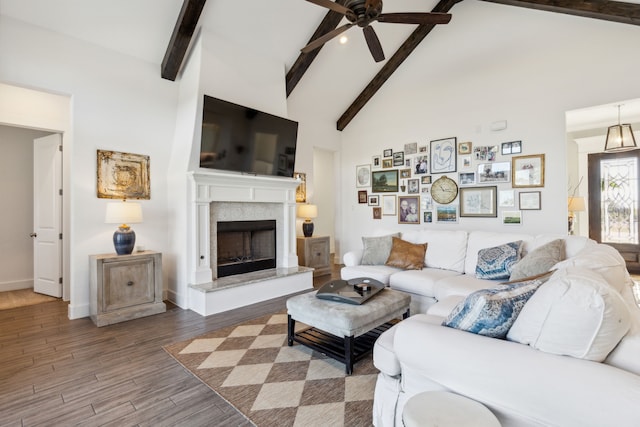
{"x": 307, "y": 211}
{"x": 576, "y": 204}
{"x": 123, "y": 213}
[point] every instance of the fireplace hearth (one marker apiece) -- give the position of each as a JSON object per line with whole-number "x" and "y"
{"x": 245, "y": 246}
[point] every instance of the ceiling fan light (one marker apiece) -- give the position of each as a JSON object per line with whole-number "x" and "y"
{"x": 620, "y": 138}
{"x": 344, "y": 39}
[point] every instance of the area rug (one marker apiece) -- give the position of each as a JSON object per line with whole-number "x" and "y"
{"x": 272, "y": 384}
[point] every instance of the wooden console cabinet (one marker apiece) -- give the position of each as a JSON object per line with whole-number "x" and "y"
{"x": 125, "y": 287}
{"x": 314, "y": 252}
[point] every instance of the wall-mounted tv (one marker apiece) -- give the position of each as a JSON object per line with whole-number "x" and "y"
{"x": 242, "y": 139}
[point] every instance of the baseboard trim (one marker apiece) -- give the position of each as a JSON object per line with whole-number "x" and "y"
{"x": 16, "y": 285}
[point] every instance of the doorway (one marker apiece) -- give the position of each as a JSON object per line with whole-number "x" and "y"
{"x": 614, "y": 195}
{"x": 16, "y": 248}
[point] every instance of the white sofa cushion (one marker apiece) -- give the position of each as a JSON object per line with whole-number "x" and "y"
{"x": 576, "y": 313}
{"x": 486, "y": 239}
{"x": 447, "y": 248}
{"x": 421, "y": 282}
{"x": 379, "y": 272}
{"x": 463, "y": 285}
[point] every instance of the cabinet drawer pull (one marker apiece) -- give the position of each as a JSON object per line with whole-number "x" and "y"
{"x": 129, "y": 283}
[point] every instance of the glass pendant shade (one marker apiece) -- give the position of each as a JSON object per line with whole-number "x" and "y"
{"x": 620, "y": 138}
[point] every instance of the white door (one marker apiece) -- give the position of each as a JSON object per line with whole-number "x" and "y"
{"x": 47, "y": 214}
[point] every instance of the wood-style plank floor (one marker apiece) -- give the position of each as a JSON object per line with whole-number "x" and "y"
{"x": 59, "y": 372}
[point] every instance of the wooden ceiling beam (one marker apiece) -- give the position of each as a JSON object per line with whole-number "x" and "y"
{"x": 181, "y": 37}
{"x": 443, "y": 6}
{"x": 304, "y": 60}
{"x": 615, "y": 11}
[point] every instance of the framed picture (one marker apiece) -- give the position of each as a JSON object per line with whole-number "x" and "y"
{"x": 389, "y": 205}
{"x": 362, "y": 196}
{"x": 413, "y": 186}
{"x": 529, "y": 200}
{"x": 485, "y": 153}
{"x": 428, "y": 217}
{"x": 512, "y": 218}
{"x": 494, "y": 172}
{"x": 467, "y": 178}
{"x": 377, "y": 213}
{"x": 422, "y": 149}
{"x": 123, "y": 175}
{"x": 527, "y": 171}
{"x": 405, "y": 173}
{"x": 513, "y": 147}
{"x": 374, "y": 200}
{"x": 387, "y": 153}
{"x": 398, "y": 158}
{"x": 421, "y": 165}
{"x": 411, "y": 148}
{"x": 387, "y": 163}
{"x": 506, "y": 199}
{"x": 444, "y": 155}
{"x": 479, "y": 202}
{"x": 376, "y": 162}
{"x": 426, "y": 202}
{"x": 464, "y": 148}
{"x": 465, "y": 161}
{"x": 426, "y": 179}
{"x": 363, "y": 176}
{"x": 447, "y": 213}
{"x": 301, "y": 190}
{"x": 384, "y": 181}
{"x": 409, "y": 210}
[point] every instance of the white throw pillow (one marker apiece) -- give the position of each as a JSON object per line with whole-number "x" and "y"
{"x": 576, "y": 313}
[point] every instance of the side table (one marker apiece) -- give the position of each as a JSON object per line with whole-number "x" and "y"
{"x": 314, "y": 252}
{"x": 125, "y": 287}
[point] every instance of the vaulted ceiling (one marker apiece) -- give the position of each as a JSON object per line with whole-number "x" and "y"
{"x": 159, "y": 31}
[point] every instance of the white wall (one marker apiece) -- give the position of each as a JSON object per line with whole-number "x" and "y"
{"x": 118, "y": 103}
{"x": 454, "y": 84}
{"x": 16, "y": 175}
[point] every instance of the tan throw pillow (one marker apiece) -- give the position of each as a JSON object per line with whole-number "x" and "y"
{"x": 409, "y": 256}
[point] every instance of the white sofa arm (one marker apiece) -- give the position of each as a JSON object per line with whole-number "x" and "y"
{"x": 352, "y": 258}
{"x": 516, "y": 380}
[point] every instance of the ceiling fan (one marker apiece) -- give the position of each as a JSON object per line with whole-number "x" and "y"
{"x": 364, "y": 12}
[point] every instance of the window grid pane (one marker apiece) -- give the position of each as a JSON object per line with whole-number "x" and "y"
{"x": 619, "y": 201}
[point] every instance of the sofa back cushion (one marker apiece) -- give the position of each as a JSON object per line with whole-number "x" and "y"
{"x": 447, "y": 248}
{"x": 485, "y": 239}
{"x": 576, "y": 313}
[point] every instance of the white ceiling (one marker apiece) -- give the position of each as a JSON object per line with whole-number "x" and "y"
{"x": 274, "y": 28}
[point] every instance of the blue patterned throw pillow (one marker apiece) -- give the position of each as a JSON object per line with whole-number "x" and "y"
{"x": 491, "y": 312}
{"x": 495, "y": 263}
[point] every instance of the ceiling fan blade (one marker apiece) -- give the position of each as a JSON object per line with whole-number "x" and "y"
{"x": 374, "y": 43}
{"x": 325, "y": 38}
{"x": 331, "y": 5}
{"x": 415, "y": 18}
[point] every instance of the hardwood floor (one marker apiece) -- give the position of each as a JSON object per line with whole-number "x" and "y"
{"x": 56, "y": 371}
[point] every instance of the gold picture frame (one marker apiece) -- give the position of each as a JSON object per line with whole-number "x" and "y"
{"x": 122, "y": 176}
{"x": 527, "y": 171}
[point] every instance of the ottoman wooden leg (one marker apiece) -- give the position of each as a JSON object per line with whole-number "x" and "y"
{"x": 291, "y": 328}
{"x": 348, "y": 354}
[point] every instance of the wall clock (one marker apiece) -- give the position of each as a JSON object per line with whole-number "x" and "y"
{"x": 444, "y": 190}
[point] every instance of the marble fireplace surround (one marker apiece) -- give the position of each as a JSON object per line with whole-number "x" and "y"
{"x": 219, "y": 196}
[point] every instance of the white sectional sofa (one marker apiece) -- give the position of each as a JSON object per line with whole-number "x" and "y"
{"x": 572, "y": 357}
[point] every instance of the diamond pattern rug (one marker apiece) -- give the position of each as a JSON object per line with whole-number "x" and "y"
{"x": 272, "y": 384}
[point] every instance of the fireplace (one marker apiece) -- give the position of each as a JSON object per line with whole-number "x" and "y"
{"x": 245, "y": 246}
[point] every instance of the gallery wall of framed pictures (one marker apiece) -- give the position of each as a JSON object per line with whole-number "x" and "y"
{"x": 484, "y": 182}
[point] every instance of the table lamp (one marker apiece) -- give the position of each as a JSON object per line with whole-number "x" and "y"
{"x": 123, "y": 213}
{"x": 307, "y": 212}
{"x": 574, "y": 204}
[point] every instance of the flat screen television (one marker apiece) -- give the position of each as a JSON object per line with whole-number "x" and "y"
{"x": 242, "y": 139}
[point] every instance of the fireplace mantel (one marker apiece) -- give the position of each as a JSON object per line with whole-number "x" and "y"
{"x": 214, "y": 186}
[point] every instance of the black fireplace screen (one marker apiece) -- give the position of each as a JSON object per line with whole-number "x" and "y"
{"x": 245, "y": 246}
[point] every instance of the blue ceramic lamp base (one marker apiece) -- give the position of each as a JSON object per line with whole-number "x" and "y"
{"x": 124, "y": 239}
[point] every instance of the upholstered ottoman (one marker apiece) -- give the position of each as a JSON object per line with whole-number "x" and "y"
{"x": 444, "y": 409}
{"x": 345, "y": 332}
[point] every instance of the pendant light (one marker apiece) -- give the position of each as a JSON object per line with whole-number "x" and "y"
{"x": 620, "y": 137}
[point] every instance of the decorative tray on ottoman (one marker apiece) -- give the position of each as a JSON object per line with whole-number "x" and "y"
{"x": 353, "y": 291}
